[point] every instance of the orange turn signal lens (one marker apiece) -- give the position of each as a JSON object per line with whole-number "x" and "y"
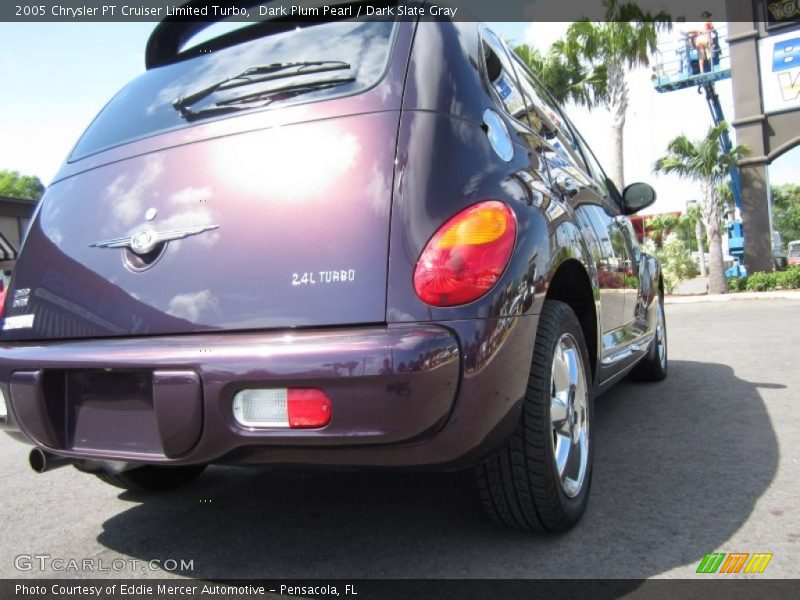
{"x": 467, "y": 255}
{"x": 483, "y": 225}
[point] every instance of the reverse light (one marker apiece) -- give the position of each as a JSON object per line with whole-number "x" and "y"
{"x": 467, "y": 255}
{"x": 3, "y": 407}
{"x": 293, "y": 408}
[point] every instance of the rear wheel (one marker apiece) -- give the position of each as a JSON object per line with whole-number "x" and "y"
{"x": 152, "y": 478}
{"x": 539, "y": 479}
{"x": 653, "y": 367}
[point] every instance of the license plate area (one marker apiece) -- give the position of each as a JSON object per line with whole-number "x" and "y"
{"x": 110, "y": 410}
{"x": 107, "y": 412}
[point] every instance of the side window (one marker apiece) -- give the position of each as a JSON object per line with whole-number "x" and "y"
{"x": 591, "y": 237}
{"x": 600, "y": 226}
{"x": 633, "y": 243}
{"x": 618, "y": 243}
{"x": 595, "y": 170}
{"x": 545, "y": 117}
{"x": 501, "y": 77}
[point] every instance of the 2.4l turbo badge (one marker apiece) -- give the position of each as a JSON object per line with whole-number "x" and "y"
{"x": 325, "y": 277}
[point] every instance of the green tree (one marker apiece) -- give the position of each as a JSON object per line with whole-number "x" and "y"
{"x": 566, "y": 77}
{"x": 676, "y": 261}
{"x": 620, "y": 43}
{"x": 658, "y": 226}
{"x": 786, "y": 211}
{"x": 692, "y": 220}
{"x": 20, "y": 186}
{"x": 706, "y": 162}
{"x": 725, "y": 192}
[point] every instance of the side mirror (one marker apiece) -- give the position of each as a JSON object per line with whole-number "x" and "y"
{"x": 636, "y": 197}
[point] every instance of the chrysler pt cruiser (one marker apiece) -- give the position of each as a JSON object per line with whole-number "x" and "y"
{"x": 362, "y": 243}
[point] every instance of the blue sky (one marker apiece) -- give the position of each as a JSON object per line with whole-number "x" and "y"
{"x": 56, "y": 77}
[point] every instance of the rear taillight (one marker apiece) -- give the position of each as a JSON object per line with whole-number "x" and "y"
{"x": 293, "y": 408}
{"x": 3, "y": 293}
{"x": 308, "y": 408}
{"x": 467, "y": 255}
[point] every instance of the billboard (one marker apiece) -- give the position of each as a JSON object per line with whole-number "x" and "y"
{"x": 779, "y": 56}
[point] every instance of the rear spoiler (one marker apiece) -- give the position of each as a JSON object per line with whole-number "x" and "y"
{"x": 171, "y": 34}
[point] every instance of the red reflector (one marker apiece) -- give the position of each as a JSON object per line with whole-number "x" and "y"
{"x": 307, "y": 408}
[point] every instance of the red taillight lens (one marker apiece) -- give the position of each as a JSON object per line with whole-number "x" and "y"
{"x": 308, "y": 408}
{"x": 467, "y": 255}
{"x": 3, "y": 300}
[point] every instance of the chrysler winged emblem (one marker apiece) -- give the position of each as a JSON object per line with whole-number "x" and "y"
{"x": 146, "y": 240}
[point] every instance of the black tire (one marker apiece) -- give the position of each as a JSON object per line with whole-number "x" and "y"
{"x": 519, "y": 484}
{"x": 153, "y": 478}
{"x": 653, "y": 367}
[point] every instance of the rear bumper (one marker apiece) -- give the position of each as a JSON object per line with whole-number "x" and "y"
{"x": 402, "y": 395}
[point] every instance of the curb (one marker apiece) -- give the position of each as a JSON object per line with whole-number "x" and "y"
{"x": 779, "y": 295}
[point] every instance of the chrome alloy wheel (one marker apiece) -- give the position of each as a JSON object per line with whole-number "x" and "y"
{"x": 661, "y": 340}
{"x": 569, "y": 415}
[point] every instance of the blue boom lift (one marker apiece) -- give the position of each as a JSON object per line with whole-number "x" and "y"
{"x": 678, "y": 66}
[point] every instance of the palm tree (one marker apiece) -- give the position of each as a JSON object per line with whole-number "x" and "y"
{"x": 566, "y": 78}
{"x": 620, "y": 43}
{"x": 705, "y": 161}
{"x": 725, "y": 192}
{"x": 658, "y": 226}
{"x": 694, "y": 219}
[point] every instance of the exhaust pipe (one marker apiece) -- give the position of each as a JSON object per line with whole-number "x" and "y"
{"x": 42, "y": 461}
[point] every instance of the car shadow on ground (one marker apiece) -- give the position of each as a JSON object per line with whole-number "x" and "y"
{"x": 679, "y": 466}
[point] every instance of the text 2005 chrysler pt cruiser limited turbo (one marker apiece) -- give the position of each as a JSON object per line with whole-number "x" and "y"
{"x": 363, "y": 243}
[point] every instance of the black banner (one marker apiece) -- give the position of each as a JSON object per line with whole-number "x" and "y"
{"x": 390, "y": 589}
{"x": 254, "y": 10}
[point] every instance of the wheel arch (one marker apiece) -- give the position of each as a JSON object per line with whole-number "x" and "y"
{"x": 572, "y": 285}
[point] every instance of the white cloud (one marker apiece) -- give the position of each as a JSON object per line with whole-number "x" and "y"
{"x": 188, "y": 208}
{"x": 125, "y": 197}
{"x": 191, "y": 196}
{"x": 542, "y": 35}
{"x": 190, "y": 306}
{"x": 39, "y": 146}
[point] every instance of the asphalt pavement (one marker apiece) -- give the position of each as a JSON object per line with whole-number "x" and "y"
{"x": 705, "y": 461}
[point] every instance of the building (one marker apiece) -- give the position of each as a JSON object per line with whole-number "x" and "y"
{"x": 764, "y": 40}
{"x": 15, "y": 216}
{"x": 641, "y": 223}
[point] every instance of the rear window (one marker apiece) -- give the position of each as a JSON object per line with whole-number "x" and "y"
{"x": 794, "y": 251}
{"x": 353, "y": 56}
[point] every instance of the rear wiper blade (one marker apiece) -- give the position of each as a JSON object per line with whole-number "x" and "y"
{"x": 262, "y": 98}
{"x": 259, "y": 74}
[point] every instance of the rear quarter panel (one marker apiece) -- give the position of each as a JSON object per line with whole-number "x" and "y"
{"x": 445, "y": 164}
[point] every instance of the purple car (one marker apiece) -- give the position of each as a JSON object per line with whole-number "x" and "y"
{"x": 347, "y": 243}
